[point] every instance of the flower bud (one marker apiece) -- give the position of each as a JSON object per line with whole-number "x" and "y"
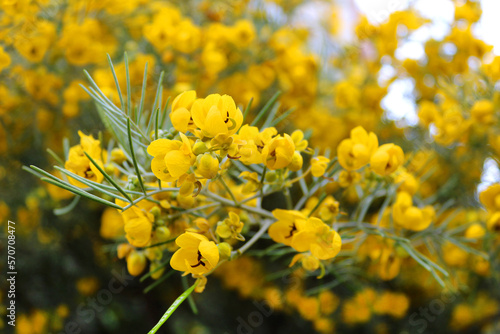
{"x": 162, "y": 233}
{"x": 136, "y": 263}
{"x": 208, "y": 165}
{"x": 199, "y": 148}
{"x": 224, "y": 250}
{"x": 297, "y": 161}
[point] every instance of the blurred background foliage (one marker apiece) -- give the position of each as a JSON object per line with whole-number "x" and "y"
{"x": 337, "y": 70}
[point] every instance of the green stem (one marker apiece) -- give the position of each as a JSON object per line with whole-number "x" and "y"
{"x": 229, "y": 191}
{"x": 254, "y": 239}
{"x": 226, "y": 202}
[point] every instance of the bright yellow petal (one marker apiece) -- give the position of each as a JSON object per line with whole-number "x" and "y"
{"x": 214, "y": 123}
{"x": 178, "y": 260}
{"x": 190, "y": 240}
{"x": 210, "y": 252}
{"x": 162, "y": 146}
{"x": 177, "y": 163}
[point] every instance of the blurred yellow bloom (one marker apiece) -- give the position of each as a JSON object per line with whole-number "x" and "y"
{"x": 390, "y": 264}
{"x": 490, "y": 198}
{"x": 355, "y": 152}
{"x": 253, "y": 183}
{"x": 393, "y": 304}
{"x": 187, "y": 37}
{"x": 136, "y": 263}
{"x": 410, "y": 217}
{"x": 407, "y": 183}
{"x": 4, "y": 59}
{"x": 196, "y": 255}
{"x": 347, "y": 178}
{"x": 387, "y": 159}
{"x": 493, "y": 222}
{"x": 318, "y": 165}
{"x": 297, "y": 162}
{"x": 111, "y": 224}
{"x": 475, "y": 231}
{"x": 299, "y": 141}
{"x": 308, "y": 262}
{"x": 428, "y": 113}
{"x": 483, "y": 112}
{"x": 242, "y": 33}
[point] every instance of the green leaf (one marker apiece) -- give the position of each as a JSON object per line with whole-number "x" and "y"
{"x": 190, "y": 297}
{"x": 134, "y": 159}
{"x": 143, "y": 94}
{"x": 247, "y": 110}
{"x": 116, "y": 82}
{"x": 107, "y": 177}
{"x": 282, "y": 117}
{"x": 172, "y": 308}
{"x": 68, "y": 208}
{"x": 129, "y": 90}
{"x": 265, "y": 109}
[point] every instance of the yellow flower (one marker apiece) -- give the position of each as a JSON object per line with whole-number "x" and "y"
{"x": 111, "y": 224}
{"x": 407, "y": 183}
{"x": 386, "y": 159}
{"x": 289, "y": 222}
{"x": 216, "y": 114}
{"x": 308, "y": 262}
{"x": 318, "y": 165}
{"x": 329, "y": 209}
{"x": 451, "y": 127}
{"x": 346, "y": 95}
{"x": 410, "y": 217}
{"x": 347, "y": 178}
{"x": 483, "y": 111}
{"x": 278, "y": 153}
{"x": 196, "y": 255}
{"x": 393, "y": 304}
{"x": 355, "y": 152}
{"x": 187, "y": 37}
{"x": 138, "y": 222}
{"x": 299, "y": 141}
{"x": 207, "y": 165}
{"x": 428, "y": 113}
{"x": 252, "y": 143}
{"x": 475, "y": 231}
{"x": 493, "y": 223}
{"x": 253, "y": 182}
{"x": 231, "y": 227}
{"x": 80, "y": 165}
{"x": 243, "y": 33}
{"x": 318, "y": 238}
{"x": 213, "y": 59}
{"x": 390, "y": 264}
{"x": 180, "y": 116}
{"x": 172, "y": 158}
{"x": 4, "y": 59}
{"x": 490, "y": 198}
{"x": 136, "y": 263}
{"x": 297, "y": 162}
